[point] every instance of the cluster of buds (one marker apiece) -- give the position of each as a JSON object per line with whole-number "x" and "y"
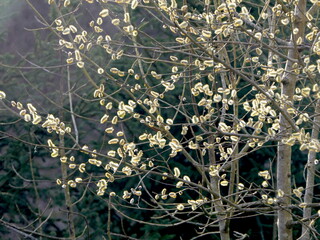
{"x": 155, "y": 140}
{"x": 53, "y": 148}
{"x": 175, "y": 147}
{"x": 54, "y": 124}
{"x": 51, "y": 123}
{"x": 266, "y": 175}
{"x": 197, "y": 203}
{"x": 214, "y": 170}
{"x": 29, "y": 114}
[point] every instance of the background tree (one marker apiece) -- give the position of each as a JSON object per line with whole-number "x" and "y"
{"x": 173, "y": 115}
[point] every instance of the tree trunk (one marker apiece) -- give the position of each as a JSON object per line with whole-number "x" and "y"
{"x": 305, "y": 235}
{"x": 218, "y": 204}
{"x": 284, "y": 151}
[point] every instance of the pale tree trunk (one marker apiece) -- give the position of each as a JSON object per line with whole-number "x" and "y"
{"x": 308, "y": 197}
{"x": 224, "y": 228}
{"x": 284, "y": 184}
{"x": 68, "y": 201}
{"x": 218, "y": 204}
{"x": 284, "y": 151}
{"x": 64, "y": 169}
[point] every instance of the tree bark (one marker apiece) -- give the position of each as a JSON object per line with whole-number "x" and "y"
{"x": 288, "y": 84}
{"x": 305, "y": 235}
{"x": 218, "y": 204}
